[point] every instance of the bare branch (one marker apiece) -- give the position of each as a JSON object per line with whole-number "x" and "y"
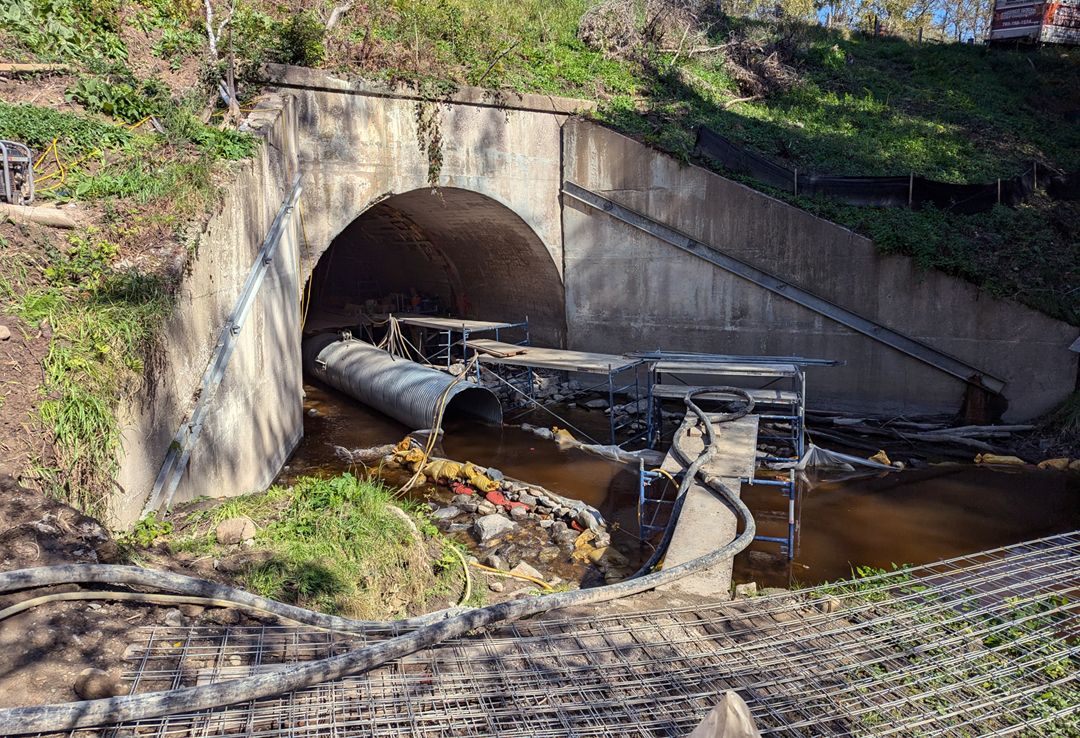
{"x": 337, "y": 14}
{"x": 210, "y": 31}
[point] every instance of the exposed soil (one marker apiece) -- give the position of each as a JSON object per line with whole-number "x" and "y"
{"x": 23, "y": 438}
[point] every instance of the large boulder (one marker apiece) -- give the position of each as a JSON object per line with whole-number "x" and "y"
{"x": 234, "y": 530}
{"x": 492, "y": 526}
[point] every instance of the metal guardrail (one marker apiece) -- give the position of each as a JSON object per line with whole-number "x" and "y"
{"x": 889, "y": 337}
{"x": 179, "y": 453}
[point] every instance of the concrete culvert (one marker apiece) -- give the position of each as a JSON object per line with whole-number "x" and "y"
{"x": 402, "y": 389}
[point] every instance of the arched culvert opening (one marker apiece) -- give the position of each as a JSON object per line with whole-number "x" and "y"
{"x": 454, "y": 253}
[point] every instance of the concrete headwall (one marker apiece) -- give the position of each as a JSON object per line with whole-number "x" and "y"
{"x": 626, "y": 289}
{"x": 256, "y": 420}
{"x": 360, "y": 145}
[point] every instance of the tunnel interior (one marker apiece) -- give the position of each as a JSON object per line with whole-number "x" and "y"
{"x": 451, "y": 253}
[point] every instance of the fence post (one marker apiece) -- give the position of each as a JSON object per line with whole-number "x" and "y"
{"x": 910, "y": 188}
{"x": 796, "y": 181}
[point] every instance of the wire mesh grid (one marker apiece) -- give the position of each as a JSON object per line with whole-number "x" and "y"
{"x": 982, "y": 645}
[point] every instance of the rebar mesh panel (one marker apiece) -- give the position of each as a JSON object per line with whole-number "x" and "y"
{"x": 976, "y": 646}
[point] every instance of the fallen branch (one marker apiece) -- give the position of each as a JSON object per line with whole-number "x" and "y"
{"x": 42, "y": 216}
{"x": 495, "y": 61}
{"x": 737, "y": 100}
{"x": 983, "y": 430}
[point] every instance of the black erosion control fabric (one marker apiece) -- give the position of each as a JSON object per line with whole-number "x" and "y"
{"x": 910, "y": 191}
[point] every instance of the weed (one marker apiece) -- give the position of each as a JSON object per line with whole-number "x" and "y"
{"x": 145, "y": 532}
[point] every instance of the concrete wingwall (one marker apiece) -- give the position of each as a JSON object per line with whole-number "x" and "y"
{"x": 626, "y": 289}
{"x": 257, "y": 418}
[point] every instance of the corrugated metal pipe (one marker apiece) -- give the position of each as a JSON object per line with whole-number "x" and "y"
{"x": 402, "y": 389}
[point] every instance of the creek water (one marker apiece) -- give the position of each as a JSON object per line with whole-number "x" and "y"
{"x": 908, "y": 517}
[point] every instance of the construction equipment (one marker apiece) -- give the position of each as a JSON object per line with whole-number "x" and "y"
{"x": 17, "y": 186}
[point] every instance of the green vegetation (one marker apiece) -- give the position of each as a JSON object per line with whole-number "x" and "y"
{"x": 335, "y": 546}
{"x": 104, "y": 323}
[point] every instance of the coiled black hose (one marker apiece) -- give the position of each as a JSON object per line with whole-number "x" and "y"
{"x": 92, "y": 713}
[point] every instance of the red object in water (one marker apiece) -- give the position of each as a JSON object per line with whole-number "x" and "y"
{"x": 460, "y": 488}
{"x": 575, "y": 526}
{"x": 495, "y": 497}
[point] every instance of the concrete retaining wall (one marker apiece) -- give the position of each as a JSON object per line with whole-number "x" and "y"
{"x": 256, "y": 420}
{"x": 626, "y": 289}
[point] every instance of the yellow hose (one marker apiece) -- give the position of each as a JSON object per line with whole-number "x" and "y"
{"x": 661, "y": 471}
{"x": 502, "y": 573}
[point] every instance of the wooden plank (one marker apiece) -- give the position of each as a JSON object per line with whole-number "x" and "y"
{"x": 24, "y": 68}
{"x": 724, "y": 369}
{"x": 562, "y": 360}
{"x": 706, "y": 522}
{"x": 451, "y": 324}
{"x": 678, "y": 391}
{"x": 496, "y": 348}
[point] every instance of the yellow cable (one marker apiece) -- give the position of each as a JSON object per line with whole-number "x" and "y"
{"x": 46, "y": 153}
{"x": 433, "y": 438}
{"x": 502, "y": 573}
{"x": 468, "y": 577}
{"x": 136, "y": 125}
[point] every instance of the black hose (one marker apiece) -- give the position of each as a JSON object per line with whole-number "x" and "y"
{"x": 706, "y": 456}
{"x": 91, "y": 713}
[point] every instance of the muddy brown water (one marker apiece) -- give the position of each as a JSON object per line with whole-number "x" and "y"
{"x": 910, "y": 517}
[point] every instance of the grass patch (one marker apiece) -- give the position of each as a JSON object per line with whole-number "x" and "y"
{"x": 337, "y": 547}
{"x": 105, "y": 324}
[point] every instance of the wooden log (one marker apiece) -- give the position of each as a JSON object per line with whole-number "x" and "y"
{"x": 25, "y": 68}
{"x": 43, "y": 216}
{"x": 956, "y": 440}
{"x": 979, "y": 430}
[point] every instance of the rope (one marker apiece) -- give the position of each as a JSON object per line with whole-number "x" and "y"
{"x": 502, "y": 573}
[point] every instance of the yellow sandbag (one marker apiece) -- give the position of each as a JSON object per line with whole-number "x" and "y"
{"x": 478, "y": 480}
{"x": 443, "y": 469}
{"x": 1000, "y": 460}
{"x": 1058, "y": 464}
{"x": 404, "y": 445}
{"x": 881, "y": 458}
{"x": 583, "y": 547}
{"x": 1075, "y": 466}
{"x": 561, "y": 432}
{"x": 412, "y": 458}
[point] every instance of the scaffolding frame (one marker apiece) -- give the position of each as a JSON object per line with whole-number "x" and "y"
{"x": 790, "y": 405}
{"x": 609, "y": 366}
{"x": 449, "y": 327}
{"x": 973, "y": 646}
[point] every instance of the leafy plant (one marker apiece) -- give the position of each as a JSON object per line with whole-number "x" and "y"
{"x": 63, "y": 29}
{"x": 127, "y": 102}
{"x": 146, "y": 532}
{"x": 302, "y": 40}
